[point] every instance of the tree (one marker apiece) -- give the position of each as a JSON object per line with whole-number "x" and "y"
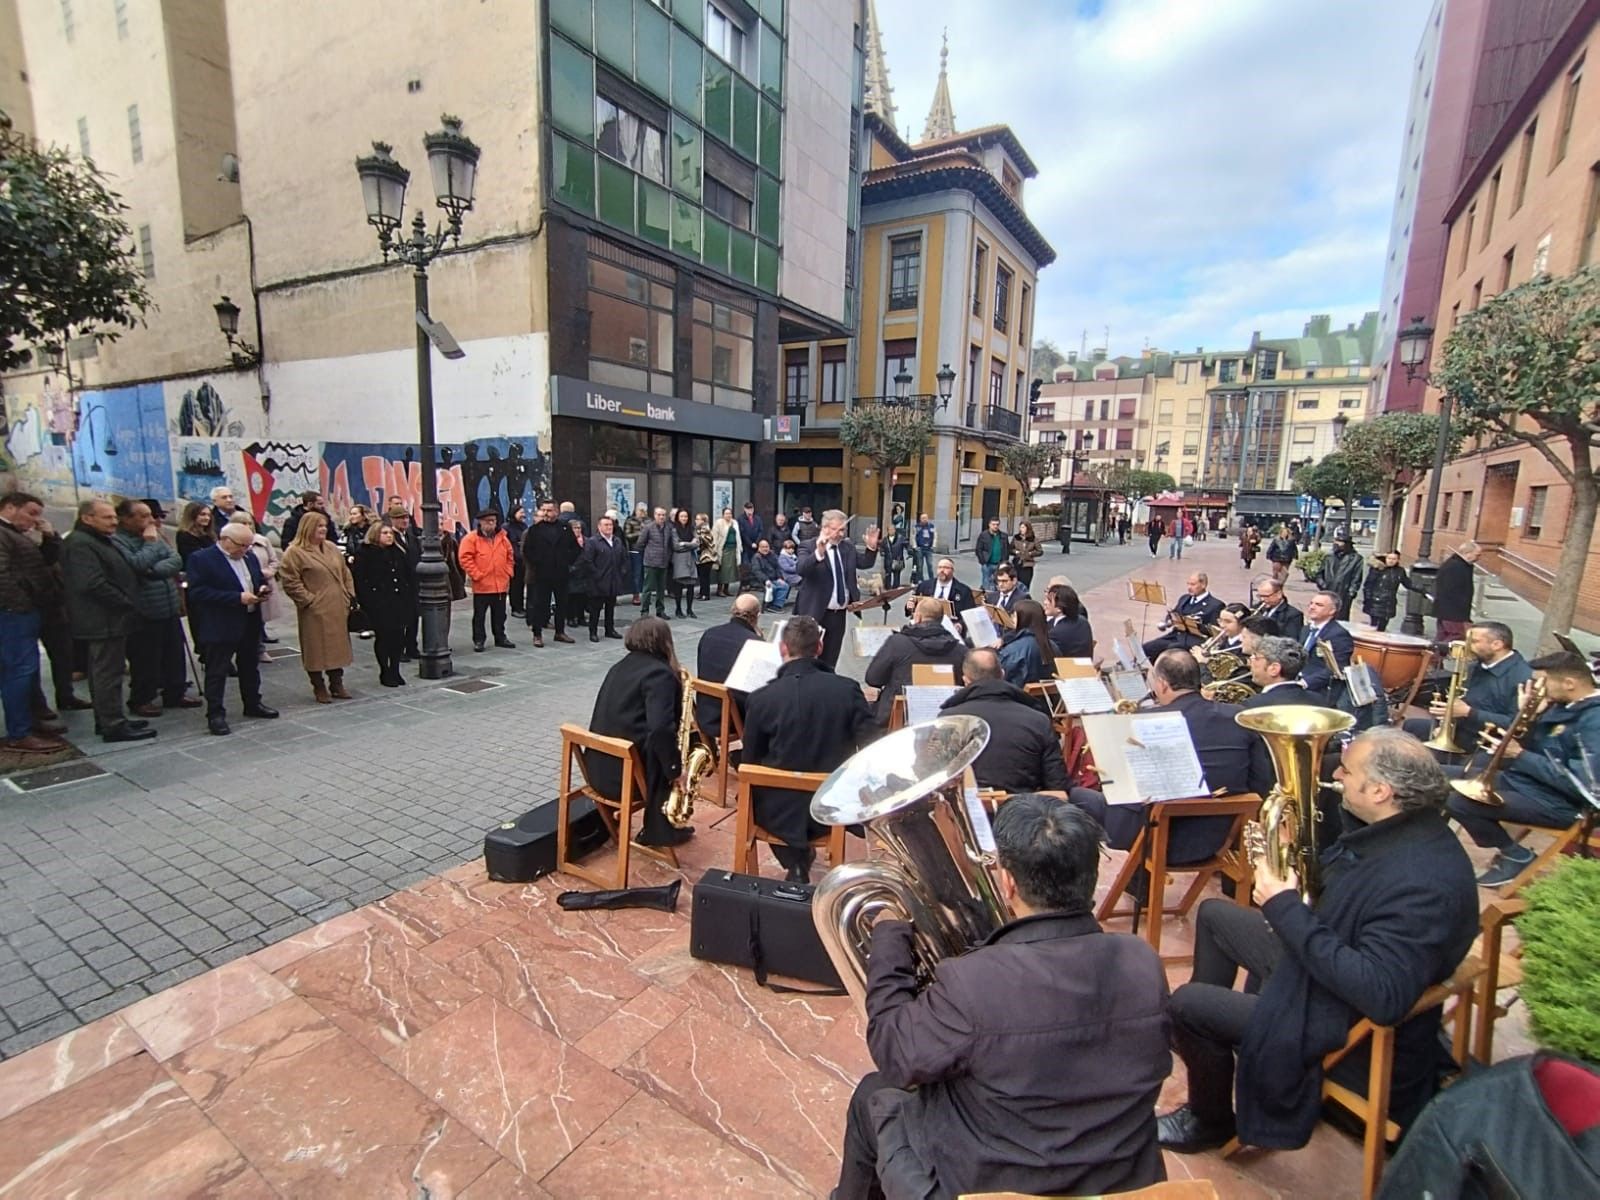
{"x": 66, "y": 261}
{"x": 1340, "y": 476}
{"x": 1395, "y": 444}
{"x": 888, "y": 434}
{"x": 1047, "y": 357}
{"x": 1030, "y": 464}
{"x": 1526, "y": 366}
{"x": 1131, "y": 481}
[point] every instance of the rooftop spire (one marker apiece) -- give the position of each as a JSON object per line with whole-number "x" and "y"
{"x": 942, "y": 115}
{"x": 879, "y": 97}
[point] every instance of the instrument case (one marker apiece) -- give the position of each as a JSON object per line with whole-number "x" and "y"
{"x": 764, "y": 924}
{"x": 525, "y": 849}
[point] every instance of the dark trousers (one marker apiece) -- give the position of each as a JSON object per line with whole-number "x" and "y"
{"x": 156, "y": 662}
{"x": 545, "y": 595}
{"x": 832, "y": 636}
{"x": 493, "y": 603}
{"x": 245, "y": 656}
{"x": 56, "y": 635}
{"x": 519, "y": 586}
{"x": 1208, "y": 1017}
{"x": 1483, "y": 821}
{"x": 683, "y": 591}
{"x": 599, "y": 605}
{"x": 107, "y": 661}
{"x": 19, "y": 670}
{"x": 705, "y": 570}
{"x": 655, "y": 583}
{"x": 387, "y": 646}
{"x": 878, "y": 1160}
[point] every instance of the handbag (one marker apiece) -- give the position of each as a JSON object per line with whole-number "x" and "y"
{"x": 357, "y": 621}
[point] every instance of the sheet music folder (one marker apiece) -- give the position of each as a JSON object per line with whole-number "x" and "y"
{"x": 1143, "y": 757}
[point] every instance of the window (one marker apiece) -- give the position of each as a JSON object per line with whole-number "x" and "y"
{"x": 724, "y": 349}
{"x": 832, "y": 375}
{"x": 1507, "y": 262}
{"x": 1455, "y": 314}
{"x": 630, "y": 303}
{"x": 1022, "y": 313}
{"x": 1477, "y": 296}
{"x": 1266, "y": 365}
{"x": 1304, "y": 435}
{"x": 850, "y": 259}
{"x": 1164, "y": 412}
{"x": 1009, "y": 179}
{"x": 1227, "y": 370}
{"x": 796, "y": 380}
{"x": 899, "y": 355}
{"x": 630, "y": 139}
{"x": 1349, "y": 399}
{"x": 905, "y": 271}
{"x": 1524, "y": 161}
{"x": 726, "y": 36}
{"x": 997, "y": 383}
{"x": 83, "y": 136}
{"x": 1127, "y": 408}
{"x": 135, "y": 138}
{"x": 1591, "y": 220}
{"x": 1191, "y": 443}
{"x": 1105, "y": 408}
{"x": 1466, "y": 237}
{"x": 730, "y": 187}
{"x": 67, "y": 26}
{"x": 1002, "y": 297}
{"x": 1466, "y": 510}
{"x": 1534, "y": 525}
{"x": 1196, "y": 412}
{"x": 980, "y": 261}
{"x": 1183, "y": 372}
{"x": 120, "y": 8}
{"x": 1569, "y": 108}
{"x": 147, "y": 252}
{"x": 1541, "y": 255}
{"x": 972, "y": 384}
{"x": 1449, "y": 497}
{"x": 1307, "y": 402}
{"x": 1488, "y": 216}
{"x": 1016, "y": 392}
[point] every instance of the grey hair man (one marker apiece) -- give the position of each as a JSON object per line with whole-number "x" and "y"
{"x": 103, "y": 606}
{"x": 828, "y": 584}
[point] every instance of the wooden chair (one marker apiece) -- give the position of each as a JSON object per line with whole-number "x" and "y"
{"x": 618, "y": 813}
{"x": 1578, "y": 837}
{"x": 897, "y": 712}
{"x": 730, "y": 734}
{"x": 1501, "y": 969}
{"x": 746, "y": 833}
{"x": 1150, "y": 849}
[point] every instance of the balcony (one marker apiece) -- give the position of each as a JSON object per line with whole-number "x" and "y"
{"x": 796, "y": 408}
{"x": 1002, "y": 420}
{"x": 903, "y": 299}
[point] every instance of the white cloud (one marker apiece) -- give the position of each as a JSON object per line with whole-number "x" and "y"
{"x": 1207, "y": 167}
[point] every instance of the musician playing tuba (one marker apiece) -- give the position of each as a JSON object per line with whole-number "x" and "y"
{"x": 1396, "y": 914}
{"x": 1545, "y": 778}
{"x": 1035, "y": 1058}
{"x": 1494, "y": 676}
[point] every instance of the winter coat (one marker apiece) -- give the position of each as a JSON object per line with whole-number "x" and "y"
{"x": 1380, "y": 595}
{"x": 1024, "y": 752}
{"x": 608, "y": 569}
{"x": 1020, "y": 658}
{"x": 354, "y": 535}
{"x": 789, "y": 564}
{"x": 708, "y": 551}
{"x": 267, "y": 558}
{"x": 28, "y": 581}
{"x": 581, "y": 573}
{"x": 188, "y": 543}
{"x": 631, "y": 528}
{"x": 1025, "y": 551}
{"x": 1452, "y": 590}
{"x": 890, "y": 668}
{"x": 983, "y": 549}
{"x": 450, "y": 552}
{"x": 1282, "y": 550}
{"x": 765, "y": 569}
{"x": 157, "y": 565}
{"x": 1341, "y": 574}
{"x": 685, "y": 550}
{"x": 487, "y": 561}
{"x": 385, "y": 586}
{"x": 655, "y": 545}
{"x": 102, "y": 588}
{"x": 319, "y": 583}
{"x": 548, "y": 551}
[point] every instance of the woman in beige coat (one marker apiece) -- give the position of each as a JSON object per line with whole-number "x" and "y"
{"x": 316, "y": 577}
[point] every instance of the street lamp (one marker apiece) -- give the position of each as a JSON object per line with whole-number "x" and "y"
{"x": 902, "y": 383}
{"x": 242, "y": 352}
{"x": 947, "y": 382}
{"x": 88, "y": 424}
{"x": 453, "y": 166}
{"x": 1415, "y": 342}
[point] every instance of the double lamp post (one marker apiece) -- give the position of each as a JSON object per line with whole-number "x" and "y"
{"x": 903, "y": 397}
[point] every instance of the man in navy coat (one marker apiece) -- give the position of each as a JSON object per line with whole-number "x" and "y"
{"x": 828, "y": 584}
{"x": 225, "y": 592}
{"x": 1321, "y": 627}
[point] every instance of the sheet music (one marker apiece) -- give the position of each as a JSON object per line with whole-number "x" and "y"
{"x": 755, "y": 667}
{"x": 950, "y": 627}
{"x": 979, "y": 627}
{"x": 1084, "y": 695}
{"x": 1359, "y": 678}
{"x": 922, "y": 702}
{"x": 1130, "y": 654}
{"x": 1129, "y": 685}
{"x": 777, "y": 631}
{"x": 1162, "y": 758}
{"x": 979, "y": 816}
{"x": 871, "y": 638}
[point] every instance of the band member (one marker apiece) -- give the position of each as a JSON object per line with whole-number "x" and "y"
{"x": 828, "y": 584}
{"x": 1496, "y": 675}
{"x": 944, "y": 586}
{"x": 1070, "y": 631}
{"x": 1544, "y": 774}
{"x": 1025, "y": 651}
{"x": 1023, "y": 753}
{"x": 715, "y": 655}
{"x": 970, "y": 1094}
{"x": 806, "y": 719}
{"x": 1275, "y": 665}
{"x": 1008, "y": 589}
{"x": 926, "y": 641}
{"x": 1230, "y": 623}
{"x": 639, "y": 700}
{"x": 1396, "y": 914}
{"x": 1321, "y": 627}
{"x": 1275, "y": 605}
{"x": 1197, "y": 603}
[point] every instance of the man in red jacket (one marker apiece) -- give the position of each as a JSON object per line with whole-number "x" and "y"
{"x": 485, "y": 555}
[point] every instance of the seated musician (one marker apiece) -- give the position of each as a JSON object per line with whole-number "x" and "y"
{"x": 1233, "y": 759}
{"x": 1532, "y": 782}
{"x": 1025, "y": 651}
{"x": 1063, "y": 581}
{"x": 806, "y": 719}
{"x": 1496, "y": 673}
{"x": 1008, "y": 589}
{"x": 1396, "y": 914}
{"x": 1032, "y": 1062}
{"x": 1275, "y": 668}
{"x": 1230, "y": 631}
{"x": 1321, "y": 627}
{"x": 1197, "y": 603}
{"x": 1024, "y": 752}
{"x": 943, "y": 586}
{"x": 1070, "y": 631}
{"x": 1275, "y": 605}
{"x": 926, "y": 641}
{"x": 714, "y": 658}
{"x": 639, "y": 700}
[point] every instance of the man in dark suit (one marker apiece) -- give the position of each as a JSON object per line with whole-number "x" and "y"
{"x": 1321, "y": 627}
{"x": 408, "y": 535}
{"x": 225, "y": 592}
{"x": 1275, "y": 668}
{"x": 717, "y": 652}
{"x": 1023, "y": 753}
{"x": 751, "y": 530}
{"x": 1275, "y": 606}
{"x": 806, "y": 719}
{"x": 606, "y": 566}
{"x": 1008, "y": 589}
{"x": 828, "y": 584}
{"x": 944, "y": 586}
{"x": 1198, "y": 603}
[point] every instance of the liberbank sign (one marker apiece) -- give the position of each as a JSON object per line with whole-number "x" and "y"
{"x": 645, "y": 410}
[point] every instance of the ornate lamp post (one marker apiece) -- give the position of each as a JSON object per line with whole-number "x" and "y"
{"x": 453, "y": 165}
{"x": 242, "y": 352}
{"x": 1416, "y": 342}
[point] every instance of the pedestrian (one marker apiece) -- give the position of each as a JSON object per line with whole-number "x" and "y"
{"x": 1340, "y": 573}
{"x": 486, "y": 559}
{"x": 706, "y": 553}
{"x": 766, "y": 573}
{"x": 268, "y": 557}
{"x": 355, "y": 530}
{"x": 1380, "y": 596}
{"x": 806, "y": 528}
{"x": 310, "y": 502}
{"x": 1249, "y": 545}
{"x": 1124, "y": 528}
{"x": 1025, "y": 552}
{"x": 729, "y": 542}
{"x": 991, "y": 550}
{"x": 315, "y": 576}
{"x": 408, "y": 536}
{"x": 28, "y": 587}
{"x": 925, "y": 536}
{"x": 158, "y": 667}
{"x": 516, "y": 530}
{"x": 577, "y": 584}
{"x": 751, "y": 530}
{"x": 103, "y": 607}
{"x": 194, "y": 530}
{"x": 548, "y": 552}
{"x": 894, "y": 556}
{"x": 631, "y": 529}
{"x": 685, "y": 572}
{"x": 386, "y": 589}
{"x": 1452, "y": 588}
{"x": 1282, "y": 550}
{"x": 1155, "y": 528}
{"x": 223, "y": 506}
{"x": 655, "y": 550}
{"x": 1180, "y": 534}
{"x": 607, "y": 568}
{"x": 226, "y": 588}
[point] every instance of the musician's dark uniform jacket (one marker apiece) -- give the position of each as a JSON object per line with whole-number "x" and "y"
{"x": 1023, "y": 753}
{"x": 890, "y": 668}
{"x": 714, "y": 658}
{"x": 1291, "y": 621}
{"x": 1205, "y": 609}
{"x": 638, "y": 700}
{"x": 1290, "y": 691}
{"x": 1315, "y": 674}
{"x": 1535, "y": 791}
{"x": 959, "y": 594}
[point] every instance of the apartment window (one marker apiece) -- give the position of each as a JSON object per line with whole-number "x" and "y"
{"x": 1466, "y": 510}
{"x": 726, "y": 36}
{"x": 1227, "y": 370}
{"x": 1541, "y": 256}
{"x": 68, "y": 29}
{"x": 83, "y": 136}
{"x": 1191, "y": 443}
{"x": 1307, "y": 402}
{"x": 1022, "y": 313}
{"x": 980, "y": 262}
{"x": 1088, "y": 410}
{"x": 1449, "y": 497}
{"x": 1524, "y": 162}
{"x": 1164, "y": 412}
{"x": 727, "y": 203}
{"x": 832, "y": 375}
{"x": 797, "y": 380}
{"x": 1196, "y": 412}
{"x": 899, "y": 355}
{"x": 1569, "y": 108}
{"x": 1466, "y": 237}
{"x": 1416, "y": 509}
{"x": 1591, "y": 220}
{"x": 997, "y": 383}
{"x": 1016, "y": 392}
{"x": 972, "y": 383}
{"x": 1350, "y": 400}
{"x": 724, "y": 350}
{"x": 1537, "y": 498}
{"x": 120, "y": 8}
{"x": 135, "y": 138}
{"x": 1507, "y": 264}
{"x": 147, "y": 252}
{"x": 850, "y": 259}
{"x": 905, "y": 271}
{"x": 630, "y": 304}
{"x": 1183, "y": 372}
{"x": 1455, "y": 314}
{"x": 633, "y": 140}
{"x": 1477, "y": 296}
{"x": 1304, "y": 435}
{"x": 1127, "y": 408}
{"x": 1266, "y": 365}
{"x": 1488, "y": 216}
{"x": 1002, "y": 297}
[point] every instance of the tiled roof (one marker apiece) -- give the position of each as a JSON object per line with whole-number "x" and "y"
{"x": 896, "y": 183}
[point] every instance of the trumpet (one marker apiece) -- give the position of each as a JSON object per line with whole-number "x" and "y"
{"x": 1481, "y": 789}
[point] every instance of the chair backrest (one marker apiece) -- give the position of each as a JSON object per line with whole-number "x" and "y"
{"x": 732, "y": 719}
{"x": 586, "y": 742}
{"x": 751, "y": 776}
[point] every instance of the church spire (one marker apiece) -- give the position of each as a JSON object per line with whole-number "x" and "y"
{"x": 942, "y": 115}
{"x": 879, "y": 97}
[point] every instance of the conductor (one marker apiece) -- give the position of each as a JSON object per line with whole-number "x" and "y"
{"x": 828, "y": 584}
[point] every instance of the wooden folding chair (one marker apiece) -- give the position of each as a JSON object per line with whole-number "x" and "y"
{"x": 1501, "y": 969}
{"x": 1150, "y": 849}
{"x": 897, "y": 712}
{"x": 746, "y": 833}
{"x": 617, "y": 813}
{"x": 730, "y": 734}
{"x": 1579, "y": 836}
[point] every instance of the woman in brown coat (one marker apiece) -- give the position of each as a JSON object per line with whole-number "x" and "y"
{"x": 316, "y": 577}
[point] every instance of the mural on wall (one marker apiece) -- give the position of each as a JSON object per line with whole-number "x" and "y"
{"x": 202, "y": 412}
{"x": 503, "y": 472}
{"x": 120, "y": 444}
{"x": 35, "y": 421}
{"x": 275, "y": 475}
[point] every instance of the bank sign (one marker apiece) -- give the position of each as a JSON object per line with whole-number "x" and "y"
{"x": 644, "y": 410}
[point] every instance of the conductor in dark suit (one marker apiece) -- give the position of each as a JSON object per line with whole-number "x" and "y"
{"x": 828, "y": 584}
{"x": 944, "y": 586}
{"x": 806, "y": 719}
{"x": 1197, "y": 603}
{"x": 714, "y": 658}
{"x": 1321, "y": 627}
{"x": 1275, "y": 606}
{"x": 224, "y": 597}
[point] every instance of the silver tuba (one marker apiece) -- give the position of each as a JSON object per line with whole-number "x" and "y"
{"x": 914, "y": 792}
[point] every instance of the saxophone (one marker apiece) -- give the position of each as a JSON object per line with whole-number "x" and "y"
{"x": 1444, "y": 737}
{"x": 1481, "y": 789}
{"x": 697, "y": 763}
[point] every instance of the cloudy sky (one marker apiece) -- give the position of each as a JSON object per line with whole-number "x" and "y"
{"x": 1206, "y": 167}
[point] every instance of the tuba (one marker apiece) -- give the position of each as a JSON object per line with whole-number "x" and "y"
{"x": 697, "y": 763}
{"x": 914, "y": 791}
{"x": 1286, "y": 831}
{"x": 1444, "y": 737}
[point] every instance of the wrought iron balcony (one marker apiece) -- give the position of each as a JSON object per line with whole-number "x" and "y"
{"x": 798, "y": 409}
{"x": 903, "y": 299}
{"x": 1002, "y": 420}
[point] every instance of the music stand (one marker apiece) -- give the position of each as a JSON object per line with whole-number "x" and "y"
{"x": 1145, "y": 592}
{"x": 1001, "y": 616}
{"x": 883, "y": 599}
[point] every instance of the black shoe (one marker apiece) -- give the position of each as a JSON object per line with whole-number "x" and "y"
{"x": 478, "y": 646}
{"x": 517, "y": 612}
{"x": 561, "y": 637}
{"x": 507, "y": 644}
{"x": 128, "y": 724}
{"x": 672, "y": 837}
{"x": 271, "y": 641}
{"x": 799, "y": 873}
{"x": 261, "y": 712}
{"x": 612, "y": 633}
{"x": 594, "y": 637}
{"x": 218, "y": 726}
{"x": 126, "y": 732}
{"x": 663, "y": 615}
{"x": 1184, "y": 1133}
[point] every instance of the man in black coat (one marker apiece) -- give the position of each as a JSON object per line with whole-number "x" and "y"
{"x": 944, "y": 586}
{"x": 1070, "y": 631}
{"x": 1452, "y": 592}
{"x": 1321, "y": 627}
{"x": 828, "y": 584}
{"x": 1198, "y": 603}
{"x": 548, "y": 552}
{"x": 408, "y": 535}
{"x": 1275, "y": 606}
{"x": 715, "y": 655}
{"x": 1397, "y": 913}
{"x": 927, "y": 641}
{"x": 608, "y": 567}
{"x": 103, "y": 605}
{"x": 807, "y": 719}
{"x": 751, "y": 530}
{"x": 1024, "y": 752}
{"x": 1033, "y": 1061}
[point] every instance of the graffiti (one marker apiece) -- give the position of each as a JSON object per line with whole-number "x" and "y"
{"x": 488, "y": 471}
{"x": 25, "y": 439}
{"x": 275, "y": 475}
{"x": 120, "y": 445}
{"x": 203, "y": 413}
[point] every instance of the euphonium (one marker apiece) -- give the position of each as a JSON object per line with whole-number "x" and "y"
{"x": 915, "y": 793}
{"x": 1444, "y": 737}
{"x": 1287, "y": 830}
{"x": 697, "y": 763}
{"x": 1481, "y": 788}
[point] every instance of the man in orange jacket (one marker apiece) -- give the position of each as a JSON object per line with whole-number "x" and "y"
{"x": 485, "y": 556}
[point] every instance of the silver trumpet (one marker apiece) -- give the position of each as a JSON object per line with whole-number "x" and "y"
{"x": 915, "y": 793}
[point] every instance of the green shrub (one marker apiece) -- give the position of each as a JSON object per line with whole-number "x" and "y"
{"x": 1560, "y": 963}
{"x": 1310, "y": 563}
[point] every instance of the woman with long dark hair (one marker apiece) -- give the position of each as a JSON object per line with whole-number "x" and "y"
{"x": 1025, "y": 551}
{"x": 685, "y": 572}
{"x": 386, "y": 590}
{"x": 1025, "y": 651}
{"x": 194, "y": 529}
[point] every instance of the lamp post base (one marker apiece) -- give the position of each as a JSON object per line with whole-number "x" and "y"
{"x": 1424, "y": 581}
{"x": 433, "y": 603}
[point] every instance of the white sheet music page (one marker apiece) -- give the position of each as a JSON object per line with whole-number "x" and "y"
{"x": 979, "y": 816}
{"x": 980, "y": 627}
{"x": 922, "y": 702}
{"x": 1084, "y": 695}
{"x": 871, "y": 638}
{"x": 757, "y": 664}
{"x": 951, "y": 628}
{"x": 1162, "y": 758}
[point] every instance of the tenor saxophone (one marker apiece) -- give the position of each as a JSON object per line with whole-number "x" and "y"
{"x": 1481, "y": 788}
{"x": 697, "y": 763}
{"x": 1444, "y": 737}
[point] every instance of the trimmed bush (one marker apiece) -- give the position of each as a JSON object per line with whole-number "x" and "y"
{"x": 1561, "y": 965}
